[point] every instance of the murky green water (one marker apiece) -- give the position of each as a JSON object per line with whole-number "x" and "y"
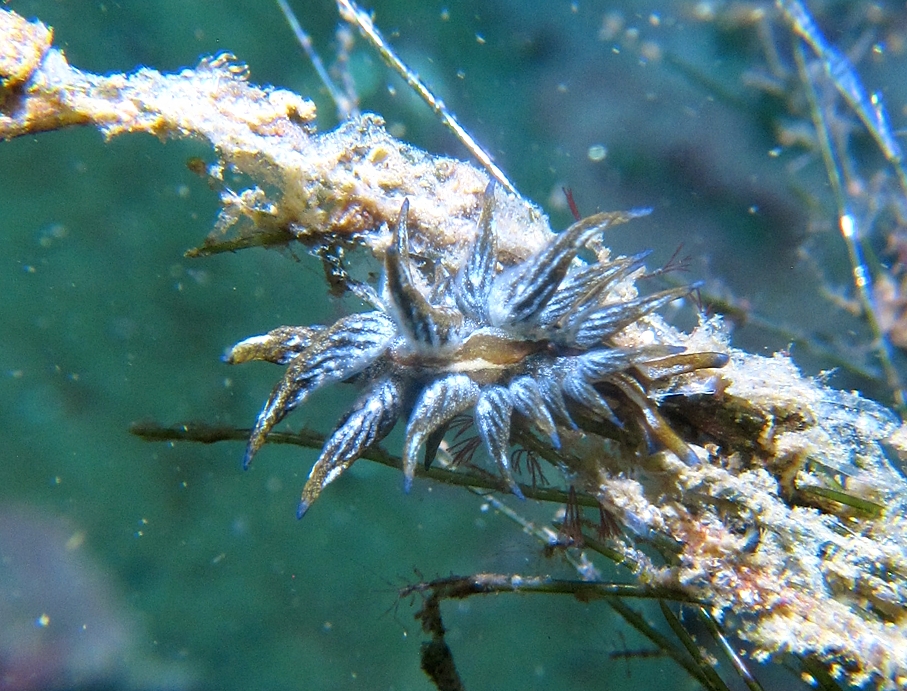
{"x": 104, "y": 323}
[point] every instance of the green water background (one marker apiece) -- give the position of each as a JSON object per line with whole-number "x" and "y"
{"x": 104, "y": 323}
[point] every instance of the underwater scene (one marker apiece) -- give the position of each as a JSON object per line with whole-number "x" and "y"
{"x": 753, "y": 150}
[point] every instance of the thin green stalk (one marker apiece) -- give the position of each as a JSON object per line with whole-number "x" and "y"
{"x": 636, "y": 620}
{"x": 731, "y": 654}
{"x": 847, "y": 223}
{"x": 692, "y": 648}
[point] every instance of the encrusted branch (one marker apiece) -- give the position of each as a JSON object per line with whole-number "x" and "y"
{"x": 308, "y": 187}
{"x": 792, "y": 527}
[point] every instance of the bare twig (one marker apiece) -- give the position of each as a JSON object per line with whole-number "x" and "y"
{"x": 355, "y": 16}
{"x": 346, "y": 106}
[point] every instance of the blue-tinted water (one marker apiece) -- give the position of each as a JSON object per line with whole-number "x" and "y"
{"x": 105, "y": 323}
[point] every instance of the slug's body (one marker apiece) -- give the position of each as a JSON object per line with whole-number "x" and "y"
{"x": 535, "y": 340}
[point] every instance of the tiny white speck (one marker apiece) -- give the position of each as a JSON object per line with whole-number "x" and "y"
{"x": 647, "y": 337}
{"x": 847, "y": 225}
{"x": 597, "y": 152}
